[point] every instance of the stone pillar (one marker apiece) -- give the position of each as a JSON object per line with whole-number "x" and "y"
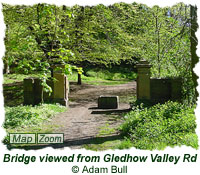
{"x": 143, "y": 80}
{"x": 60, "y": 86}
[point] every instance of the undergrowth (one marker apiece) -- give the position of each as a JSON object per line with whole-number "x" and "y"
{"x": 28, "y": 116}
{"x": 162, "y": 125}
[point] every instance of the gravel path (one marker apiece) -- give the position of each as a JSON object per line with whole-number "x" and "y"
{"x": 83, "y": 121}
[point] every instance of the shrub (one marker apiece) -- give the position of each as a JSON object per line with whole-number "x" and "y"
{"x": 159, "y": 126}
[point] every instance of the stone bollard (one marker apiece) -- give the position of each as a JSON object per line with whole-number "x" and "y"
{"x": 60, "y": 86}
{"x": 143, "y": 80}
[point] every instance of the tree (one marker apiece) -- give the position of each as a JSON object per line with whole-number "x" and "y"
{"x": 193, "y": 40}
{"x": 40, "y": 35}
{"x": 165, "y": 38}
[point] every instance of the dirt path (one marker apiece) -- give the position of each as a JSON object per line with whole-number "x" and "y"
{"x": 83, "y": 120}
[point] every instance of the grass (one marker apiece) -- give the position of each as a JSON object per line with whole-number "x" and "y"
{"x": 107, "y": 138}
{"x": 170, "y": 124}
{"x": 96, "y": 80}
{"x": 99, "y": 76}
{"x": 29, "y": 118}
{"x": 99, "y": 144}
{"x": 151, "y": 127}
{"x": 13, "y": 92}
{"x": 13, "y": 78}
{"x": 106, "y": 130}
{"x": 95, "y": 76}
{"x": 120, "y": 73}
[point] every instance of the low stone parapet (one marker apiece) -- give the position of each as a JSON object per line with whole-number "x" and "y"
{"x": 156, "y": 90}
{"x": 59, "y": 86}
{"x": 164, "y": 89}
{"x": 32, "y": 91}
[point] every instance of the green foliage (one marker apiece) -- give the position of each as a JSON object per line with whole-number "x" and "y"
{"x": 168, "y": 31}
{"x": 100, "y": 35}
{"x": 99, "y": 144}
{"x": 100, "y": 76}
{"x": 125, "y": 144}
{"x": 96, "y": 81}
{"x": 170, "y": 124}
{"x": 23, "y": 116}
{"x": 114, "y": 73}
{"x": 96, "y": 76}
{"x": 12, "y": 78}
{"x": 106, "y": 130}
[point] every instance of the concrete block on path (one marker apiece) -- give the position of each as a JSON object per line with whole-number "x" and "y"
{"x": 108, "y": 102}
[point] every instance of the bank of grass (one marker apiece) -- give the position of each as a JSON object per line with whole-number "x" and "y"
{"x": 156, "y": 127}
{"x": 29, "y": 118}
{"x": 170, "y": 124}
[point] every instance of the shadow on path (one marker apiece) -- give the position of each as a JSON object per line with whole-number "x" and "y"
{"x": 71, "y": 143}
{"x": 83, "y": 121}
{"x": 111, "y": 111}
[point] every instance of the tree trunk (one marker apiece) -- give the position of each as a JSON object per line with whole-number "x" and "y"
{"x": 6, "y": 69}
{"x": 79, "y": 79}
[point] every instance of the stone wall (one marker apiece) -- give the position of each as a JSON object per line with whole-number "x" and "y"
{"x": 33, "y": 90}
{"x": 164, "y": 89}
{"x": 156, "y": 90}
